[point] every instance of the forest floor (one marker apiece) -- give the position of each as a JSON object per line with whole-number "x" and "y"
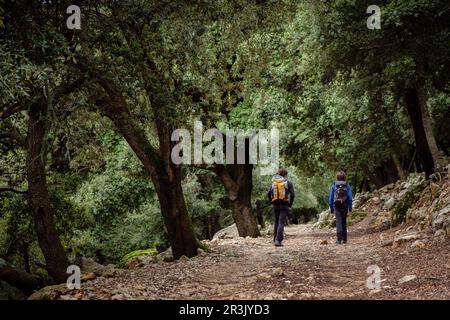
{"x": 309, "y": 266}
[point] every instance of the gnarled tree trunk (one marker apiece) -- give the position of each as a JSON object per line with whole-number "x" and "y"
{"x": 43, "y": 212}
{"x": 166, "y": 177}
{"x": 428, "y": 153}
{"x": 237, "y": 180}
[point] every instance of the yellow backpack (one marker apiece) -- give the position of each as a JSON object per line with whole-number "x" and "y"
{"x": 280, "y": 190}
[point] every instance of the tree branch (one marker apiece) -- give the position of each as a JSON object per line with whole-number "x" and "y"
{"x": 15, "y": 135}
{"x": 15, "y": 108}
{"x": 11, "y": 189}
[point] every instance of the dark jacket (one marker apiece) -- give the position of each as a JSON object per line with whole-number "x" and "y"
{"x": 290, "y": 191}
{"x": 349, "y": 197}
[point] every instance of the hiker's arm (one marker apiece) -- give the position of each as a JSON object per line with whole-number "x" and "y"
{"x": 291, "y": 193}
{"x": 349, "y": 198}
{"x": 269, "y": 194}
{"x": 331, "y": 198}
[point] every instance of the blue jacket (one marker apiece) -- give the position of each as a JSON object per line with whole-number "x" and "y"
{"x": 349, "y": 197}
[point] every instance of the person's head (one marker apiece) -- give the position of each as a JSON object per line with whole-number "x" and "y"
{"x": 341, "y": 176}
{"x": 282, "y": 172}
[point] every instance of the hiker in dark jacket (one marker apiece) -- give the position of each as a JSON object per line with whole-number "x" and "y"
{"x": 281, "y": 194}
{"x": 340, "y": 202}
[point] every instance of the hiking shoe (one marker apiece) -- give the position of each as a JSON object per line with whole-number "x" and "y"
{"x": 338, "y": 242}
{"x": 278, "y": 243}
{"x": 344, "y": 242}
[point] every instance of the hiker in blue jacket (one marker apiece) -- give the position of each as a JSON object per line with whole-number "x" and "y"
{"x": 340, "y": 202}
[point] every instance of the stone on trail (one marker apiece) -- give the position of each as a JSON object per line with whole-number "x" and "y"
{"x": 407, "y": 279}
{"x": 278, "y": 272}
{"x": 418, "y": 244}
{"x": 183, "y": 258}
{"x": 230, "y": 232}
{"x": 88, "y": 276}
{"x": 323, "y": 242}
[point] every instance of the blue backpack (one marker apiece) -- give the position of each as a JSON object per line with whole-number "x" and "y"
{"x": 340, "y": 194}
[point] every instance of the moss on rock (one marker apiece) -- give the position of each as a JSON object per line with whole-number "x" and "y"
{"x": 123, "y": 262}
{"x": 400, "y": 210}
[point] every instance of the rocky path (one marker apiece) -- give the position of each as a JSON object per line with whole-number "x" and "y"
{"x": 309, "y": 266}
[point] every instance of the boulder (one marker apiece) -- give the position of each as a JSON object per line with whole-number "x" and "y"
{"x": 230, "y": 232}
{"x": 326, "y": 220}
{"x": 165, "y": 256}
{"x": 49, "y": 292}
{"x": 138, "y": 258}
{"x": 389, "y": 204}
{"x": 89, "y": 265}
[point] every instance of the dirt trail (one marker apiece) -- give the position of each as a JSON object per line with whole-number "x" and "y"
{"x": 302, "y": 269}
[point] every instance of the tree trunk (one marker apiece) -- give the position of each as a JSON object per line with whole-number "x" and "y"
{"x": 43, "y": 212}
{"x": 237, "y": 180}
{"x": 398, "y": 166}
{"x": 166, "y": 177}
{"x": 176, "y": 218}
{"x": 23, "y": 281}
{"x": 428, "y": 153}
{"x": 424, "y": 156}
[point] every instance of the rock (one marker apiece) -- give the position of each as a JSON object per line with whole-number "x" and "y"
{"x": 140, "y": 261}
{"x": 273, "y": 296}
{"x": 434, "y": 188}
{"x": 89, "y": 265}
{"x": 278, "y": 272}
{"x": 440, "y": 218}
{"x": 8, "y": 292}
{"x": 165, "y": 256}
{"x": 376, "y": 200}
{"x": 121, "y": 297}
{"x": 201, "y": 252}
{"x": 183, "y": 258}
{"x": 326, "y": 220}
{"x": 395, "y": 244}
{"x": 324, "y": 242}
{"x": 263, "y": 275}
{"x": 440, "y": 233}
{"x": 229, "y": 232}
{"x": 50, "y": 292}
{"x": 67, "y": 297}
{"x": 88, "y": 276}
{"x": 214, "y": 242}
{"x": 374, "y": 291}
{"x": 407, "y": 279}
{"x": 418, "y": 244}
{"x": 389, "y": 204}
{"x": 399, "y": 240}
{"x": 138, "y": 258}
{"x": 387, "y": 188}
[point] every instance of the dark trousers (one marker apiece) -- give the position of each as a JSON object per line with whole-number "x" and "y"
{"x": 341, "y": 223}
{"x": 281, "y": 212}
